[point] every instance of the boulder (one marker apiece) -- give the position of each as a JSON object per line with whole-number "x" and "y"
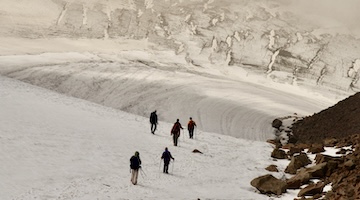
{"x": 294, "y": 183}
{"x": 294, "y": 150}
{"x": 320, "y": 158}
{"x": 279, "y": 154}
{"x": 272, "y": 168}
{"x": 330, "y": 142}
{"x": 277, "y": 123}
{"x": 317, "y": 171}
{"x": 312, "y": 189}
{"x": 268, "y": 184}
{"x": 305, "y": 174}
{"x": 316, "y": 148}
{"x": 331, "y": 167}
{"x": 297, "y": 162}
{"x": 303, "y": 146}
{"x": 350, "y": 164}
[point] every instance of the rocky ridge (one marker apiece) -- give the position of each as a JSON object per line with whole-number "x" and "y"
{"x": 339, "y": 121}
{"x": 335, "y": 127}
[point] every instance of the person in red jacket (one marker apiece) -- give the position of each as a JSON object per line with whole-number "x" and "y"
{"x": 191, "y": 126}
{"x": 175, "y": 131}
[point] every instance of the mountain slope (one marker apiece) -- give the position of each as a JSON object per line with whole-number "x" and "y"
{"x": 339, "y": 121}
{"x": 58, "y": 147}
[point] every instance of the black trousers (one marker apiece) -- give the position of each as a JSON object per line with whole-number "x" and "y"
{"x": 191, "y": 133}
{"x": 166, "y": 167}
{"x": 153, "y": 127}
{"x": 175, "y": 138}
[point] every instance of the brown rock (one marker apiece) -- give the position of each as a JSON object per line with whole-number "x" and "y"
{"x": 303, "y": 146}
{"x": 305, "y": 174}
{"x": 277, "y": 123}
{"x": 272, "y": 168}
{"x": 317, "y": 171}
{"x": 331, "y": 167}
{"x": 350, "y": 164}
{"x": 268, "y": 184}
{"x": 312, "y": 189}
{"x": 316, "y": 148}
{"x": 320, "y": 158}
{"x": 294, "y": 150}
{"x": 294, "y": 183}
{"x": 196, "y": 151}
{"x": 330, "y": 142}
{"x": 279, "y": 154}
{"x": 288, "y": 146}
{"x": 342, "y": 151}
{"x": 297, "y": 162}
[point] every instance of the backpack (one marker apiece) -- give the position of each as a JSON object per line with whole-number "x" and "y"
{"x": 153, "y": 118}
{"x": 135, "y": 162}
{"x": 191, "y": 125}
{"x": 175, "y": 128}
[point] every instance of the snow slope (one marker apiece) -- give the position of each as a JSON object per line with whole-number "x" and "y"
{"x": 242, "y": 108}
{"x": 135, "y": 57}
{"x": 58, "y": 147}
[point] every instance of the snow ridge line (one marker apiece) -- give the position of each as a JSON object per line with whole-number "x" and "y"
{"x": 62, "y": 14}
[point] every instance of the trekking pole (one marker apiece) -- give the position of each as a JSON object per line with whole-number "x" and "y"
{"x": 160, "y": 166}
{"x": 142, "y": 172}
{"x": 172, "y": 167}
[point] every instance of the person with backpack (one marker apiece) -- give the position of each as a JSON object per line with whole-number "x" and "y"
{"x": 135, "y": 163}
{"x": 175, "y": 131}
{"x": 153, "y": 121}
{"x": 191, "y": 126}
{"x": 167, "y": 157}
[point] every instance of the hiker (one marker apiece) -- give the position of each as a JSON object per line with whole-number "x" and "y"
{"x": 166, "y": 156}
{"x": 175, "y": 131}
{"x": 191, "y": 126}
{"x": 153, "y": 121}
{"x": 135, "y": 163}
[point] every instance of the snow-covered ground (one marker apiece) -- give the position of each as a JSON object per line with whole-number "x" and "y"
{"x": 55, "y": 146}
{"x": 58, "y": 147}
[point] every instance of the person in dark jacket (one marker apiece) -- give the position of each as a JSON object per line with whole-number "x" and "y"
{"x": 135, "y": 163}
{"x": 175, "y": 131}
{"x": 191, "y": 126}
{"x": 167, "y": 157}
{"x": 153, "y": 121}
